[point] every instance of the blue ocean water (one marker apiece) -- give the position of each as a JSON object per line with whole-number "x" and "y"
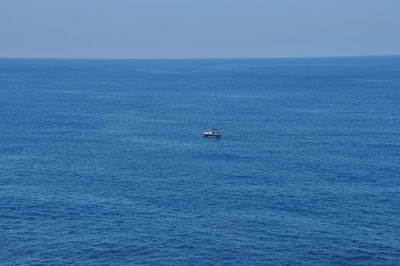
{"x": 102, "y": 162}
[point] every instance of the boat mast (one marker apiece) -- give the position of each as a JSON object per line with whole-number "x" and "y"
{"x": 209, "y": 120}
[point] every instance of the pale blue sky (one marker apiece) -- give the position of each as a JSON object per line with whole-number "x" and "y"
{"x": 198, "y": 28}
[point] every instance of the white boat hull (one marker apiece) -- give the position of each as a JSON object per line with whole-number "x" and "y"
{"x": 212, "y": 134}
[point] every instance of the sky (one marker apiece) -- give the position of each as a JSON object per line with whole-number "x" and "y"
{"x": 198, "y": 28}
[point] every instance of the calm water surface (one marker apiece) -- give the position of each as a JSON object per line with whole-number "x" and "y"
{"x": 102, "y": 162}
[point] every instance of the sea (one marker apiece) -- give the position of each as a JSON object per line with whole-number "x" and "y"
{"x": 103, "y": 162}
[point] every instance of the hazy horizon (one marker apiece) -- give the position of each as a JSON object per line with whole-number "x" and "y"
{"x": 200, "y": 58}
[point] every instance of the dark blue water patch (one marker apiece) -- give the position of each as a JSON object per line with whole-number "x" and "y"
{"x": 102, "y": 162}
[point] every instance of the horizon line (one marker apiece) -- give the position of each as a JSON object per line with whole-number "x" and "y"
{"x": 194, "y": 58}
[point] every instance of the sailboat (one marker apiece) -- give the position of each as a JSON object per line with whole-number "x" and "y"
{"x": 211, "y": 132}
